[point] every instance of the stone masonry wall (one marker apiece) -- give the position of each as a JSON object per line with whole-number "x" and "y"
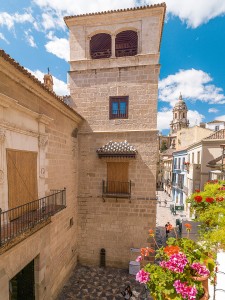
{"x": 116, "y": 225}
{"x": 54, "y": 247}
{"x": 91, "y": 90}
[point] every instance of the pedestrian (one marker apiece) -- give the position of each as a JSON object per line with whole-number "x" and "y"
{"x": 127, "y": 293}
{"x": 167, "y": 226}
{"x": 165, "y": 201}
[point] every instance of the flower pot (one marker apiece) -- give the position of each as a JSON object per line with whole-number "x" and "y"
{"x": 204, "y": 280}
{"x": 206, "y": 295}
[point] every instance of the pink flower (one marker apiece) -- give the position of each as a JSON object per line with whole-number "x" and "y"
{"x": 176, "y": 262}
{"x": 200, "y": 269}
{"x": 139, "y": 258}
{"x": 142, "y": 276}
{"x": 187, "y": 291}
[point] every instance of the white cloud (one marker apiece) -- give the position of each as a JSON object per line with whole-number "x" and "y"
{"x": 193, "y": 84}
{"x": 192, "y": 12}
{"x": 213, "y": 110}
{"x": 60, "y": 87}
{"x": 52, "y": 20}
{"x": 30, "y": 39}
{"x": 2, "y": 37}
{"x": 165, "y": 117}
{"x": 194, "y": 117}
{"x": 10, "y": 20}
{"x": 68, "y": 7}
{"x": 58, "y": 46}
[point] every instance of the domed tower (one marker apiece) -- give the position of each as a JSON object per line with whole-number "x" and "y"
{"x": 179, "y": 116}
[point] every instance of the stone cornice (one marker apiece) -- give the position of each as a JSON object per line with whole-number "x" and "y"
{"x": 13, "y": 128}
{"x": 20, "y": 75}
{"x": 117, "y": 62}
{"x": 7, "y": 102}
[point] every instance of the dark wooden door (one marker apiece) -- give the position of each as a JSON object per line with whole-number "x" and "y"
{"x": 22, "y": 179}
{"x": 21, "y": 287}
{"x": 117, "y": 177}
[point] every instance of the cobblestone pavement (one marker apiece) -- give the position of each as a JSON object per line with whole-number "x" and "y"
{"x": 90, "y": 283}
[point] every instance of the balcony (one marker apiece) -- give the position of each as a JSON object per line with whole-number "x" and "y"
{"x": 18, "y": 220}
{"x": 116, "y": 189}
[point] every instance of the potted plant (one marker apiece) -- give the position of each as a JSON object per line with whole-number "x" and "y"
{"x": 209, "y": 209}
{"x": 182, "y": 270}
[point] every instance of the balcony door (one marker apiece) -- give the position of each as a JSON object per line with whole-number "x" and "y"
{"x": 117, "y": 178}
{"x": 22, "y": 180}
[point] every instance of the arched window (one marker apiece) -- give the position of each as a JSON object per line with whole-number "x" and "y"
{"x": 175, "y": 115}
{"x": 100, "y": 46}
{"x": 126, "y": 43}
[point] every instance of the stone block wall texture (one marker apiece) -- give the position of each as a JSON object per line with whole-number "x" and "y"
{"x": 53, "y": 247}
{"x": 116, "y": 225}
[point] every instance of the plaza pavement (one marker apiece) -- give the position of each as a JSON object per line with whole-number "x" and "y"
{"x": 93, "y": 283}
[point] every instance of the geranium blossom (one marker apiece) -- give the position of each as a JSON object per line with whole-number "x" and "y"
{"x": 146, "y": 251}
{"x": 176, "y": 262}
{"x": 151, "y": 232}
{"x": 209, "y": 200}
{"x": 139, "y": 258}
{"x": 187, "y": 291}
{"x": 142, "y": 276}
{"x": 188, "y": 226}
{"x": 219, "y": 199}
{"x": 198, "y": 199}
{"x": 170, "y": 250}
{"x": 200, "y": 269}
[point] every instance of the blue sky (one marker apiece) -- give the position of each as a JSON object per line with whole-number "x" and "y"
{"x": 192, "y": 50}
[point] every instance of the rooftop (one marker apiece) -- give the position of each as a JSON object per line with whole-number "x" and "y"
{"x": 117, "y": 10}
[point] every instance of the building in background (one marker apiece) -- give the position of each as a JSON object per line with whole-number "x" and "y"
{"x": 214, "y": 125}
{"x": 179, "y": 179}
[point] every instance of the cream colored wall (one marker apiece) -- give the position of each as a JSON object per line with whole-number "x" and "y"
{"x": 116, "y": 226}
{"x": 82, "y": 28}
{"x": 189, "y": 136}
{"x": 30, "y": 120}
{"x": 194, "y": 174}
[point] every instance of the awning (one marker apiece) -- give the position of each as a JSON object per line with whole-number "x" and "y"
{"x": 117, "y": 149}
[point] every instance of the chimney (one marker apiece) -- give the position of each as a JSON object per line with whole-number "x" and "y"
{"x": 48, "y": 81}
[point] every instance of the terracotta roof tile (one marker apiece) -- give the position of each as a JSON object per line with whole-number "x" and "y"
{"x": 117, "y": 10}
{"x": 21, "y": 69}
{"x": 122, "y": 149}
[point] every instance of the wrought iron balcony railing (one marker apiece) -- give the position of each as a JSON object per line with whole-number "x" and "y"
{"x": 17, "y": 220}
{"x": 116, "y": 189}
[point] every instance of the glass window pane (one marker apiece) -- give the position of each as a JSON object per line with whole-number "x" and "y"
{"x": 115, "y": 108}
{"x": 123, "y": 107}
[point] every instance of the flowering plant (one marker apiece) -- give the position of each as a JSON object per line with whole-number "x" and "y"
{"x": 179, "y": 265}
{"x": 186, "y": 163}
{"x": 209, "y": 208}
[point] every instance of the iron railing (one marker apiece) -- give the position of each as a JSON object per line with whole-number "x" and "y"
{"x": 116, "y": 189}
{"x": 17, "y": 220}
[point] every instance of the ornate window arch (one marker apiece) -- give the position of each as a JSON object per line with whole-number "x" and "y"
{"x": 101, "y": 46}
{"x": 126, "y": 43}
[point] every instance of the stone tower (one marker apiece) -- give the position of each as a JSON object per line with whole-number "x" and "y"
{"x": 179, "y": 116}
{"x": 48, "y": 81}
{"x": 114, "y": 69}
